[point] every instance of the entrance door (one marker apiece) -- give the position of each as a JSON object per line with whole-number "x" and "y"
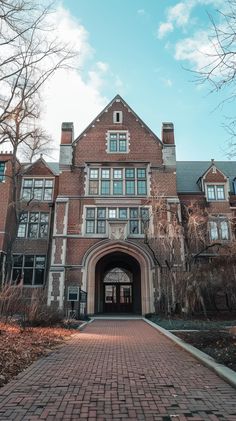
{"x": 118, "y": 291}
{"x": 118, "y": 298}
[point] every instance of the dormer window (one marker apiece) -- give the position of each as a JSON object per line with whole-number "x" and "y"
{"x": 215, "y": 192}
{"x": 117, "y": 117}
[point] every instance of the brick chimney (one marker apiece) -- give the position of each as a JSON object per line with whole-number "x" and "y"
{"x": 168, "y": 137}
{"x": 67, "y": 133}
{"x": 168, "y": 140}
{"x": 67, "y": 137}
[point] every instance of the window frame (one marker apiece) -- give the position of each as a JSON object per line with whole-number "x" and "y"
{"x": 218, "y": 223}
{"x": 215, "y": 188}
{"x": 34, "y": 188}
{"x": 29, "y": 223}
{"x": 34, "y": 268}
{"x": 116, "y": 139}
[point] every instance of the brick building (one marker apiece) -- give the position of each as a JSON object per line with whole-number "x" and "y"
{"x": 82, "y": 222}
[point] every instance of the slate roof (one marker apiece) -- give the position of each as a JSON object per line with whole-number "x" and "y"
{"x": 188, "y": 173}
{"x": 54, "y": 166}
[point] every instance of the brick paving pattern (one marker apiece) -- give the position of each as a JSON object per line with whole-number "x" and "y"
{"x": 118, "y": 370}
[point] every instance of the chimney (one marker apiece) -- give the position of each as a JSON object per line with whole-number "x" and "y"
{"x": 67, "y": 133}
{"x": 67, "y": 137}
{"x": 168, "y": 137}
{"x": 168, "y": 140}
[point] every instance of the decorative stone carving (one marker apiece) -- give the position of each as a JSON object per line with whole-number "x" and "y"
{"x": 118, "y": 230}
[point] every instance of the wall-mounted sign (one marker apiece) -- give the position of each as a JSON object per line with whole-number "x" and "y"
{"x": 73, "y": 293}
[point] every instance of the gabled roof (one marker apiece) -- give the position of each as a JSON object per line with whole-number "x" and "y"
{"x": 53, "y": 167}
{"x": 188, "y": 173}
{"x": 117, "y": 98}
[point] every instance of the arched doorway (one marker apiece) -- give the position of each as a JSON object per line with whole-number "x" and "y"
{"x": 117, "y": 284}
{"x": 134, "y": 258}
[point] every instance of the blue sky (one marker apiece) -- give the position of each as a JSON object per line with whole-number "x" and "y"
{"x": 141, "y": 50}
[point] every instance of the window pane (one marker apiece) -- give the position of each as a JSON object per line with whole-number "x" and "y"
{"x": 141, "y": 172}
{"x": 105, "y": 187}
{"x": 213, "y": 230}
{"x": 117, "y": 173}
{"x": 130, "y": 187}
{"x": 48, "y": 183}
{"x": 101, "y": 227}
{"x": 113, "y": 145}
{"x": 117, "y": 187}
{"x": 90, "y": 227}
{"x": 27, "y": 182}
{"x": 133, "y": 212}
{"x": 33, "y": 231}
{"x": 101, "y": 213}
{"x": 26, "y": 193}
{"x": 44, "y": 217}
{"x": 34, "y": 217}
{"x": 142, "y": 188}
{"x": 40, "y": 262}
{"x": 17, "y": 276}
{"x": 28, "y": 276}
{"x": 90, "y": 213}
{"x": 43, "y": 230}
{"x": 134, "y": 227}
{"x": 123, "y": 213}
{"x": 220, "y": 192}
{"x": 144, "y": 213}
{"x": 122, "y": 136}
{"x": 211, "y": 192}
{"x": 129, "y": 173}
{"x": 48, "y": 194}
{"x": 122, "y": 146}
{"x": 2, "y": 170}
{"x": 17, "y": 260}
{"x": 105, "y": 173}
{"x": 93, "y": 187}
{"x": 21, "y": 231}
{"x": 38, "y": 183}
{"x": 29, "y": 261}
{"x": 37, "y": 194}
{"x": 224, "y": 230}
{"x": 111, "y": 213}
{"x": 24, "y": 217}
{"x": 113, "y": 136}
{"x": 93, "y": 173}
{"x": 39, "y": 277}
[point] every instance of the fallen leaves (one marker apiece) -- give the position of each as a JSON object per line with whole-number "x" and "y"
{"x": 19, "y": 348}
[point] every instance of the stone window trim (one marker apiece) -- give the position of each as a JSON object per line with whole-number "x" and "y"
{"x": 108, "y": 139}
{"x": 97, "y": 218}
{"x": 219, "y": 228}
{"x": 215, "y": 192}
{"x": 117, "y": 181}
{"x": 2, "y": 171}
{"x": 28, "y": 270}
{"x": 117, "y": 117}
{"x": 33, "y": 225}
{"x": 37, "y": 189}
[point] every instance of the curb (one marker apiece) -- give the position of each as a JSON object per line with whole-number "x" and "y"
{"x": 81, "y": 327}
{"x": 223, "y": 372}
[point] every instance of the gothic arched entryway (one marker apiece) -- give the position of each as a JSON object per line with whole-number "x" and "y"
{"x": 117, "y": 284}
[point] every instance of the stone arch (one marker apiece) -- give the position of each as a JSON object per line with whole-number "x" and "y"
{"x": 98, "y": 251}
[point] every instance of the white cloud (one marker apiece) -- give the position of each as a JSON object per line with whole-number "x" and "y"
{"x": 179, "y": 15}
{"x": 74, "y": 95}
{"x": 168, "y": 83}
{"x": 197, "y": 50}
{"x": 164, "y": 28}
{"x": 141, "y": 12}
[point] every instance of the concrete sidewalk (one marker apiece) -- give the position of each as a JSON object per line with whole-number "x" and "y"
{"x": 118, "y": 370}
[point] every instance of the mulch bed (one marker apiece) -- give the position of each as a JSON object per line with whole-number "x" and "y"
{"x": 19, "y": 348}
{"x": 221, "y": 345}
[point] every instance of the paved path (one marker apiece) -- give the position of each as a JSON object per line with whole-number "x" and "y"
{"x": 118, "y": 370}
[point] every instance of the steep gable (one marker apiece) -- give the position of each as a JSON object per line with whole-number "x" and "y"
{"x": 39, "y": 168}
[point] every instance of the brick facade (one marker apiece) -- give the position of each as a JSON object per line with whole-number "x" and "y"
{"x": 82, "y": 249}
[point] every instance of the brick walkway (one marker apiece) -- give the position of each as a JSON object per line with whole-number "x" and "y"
{"x": 118, "y": 370}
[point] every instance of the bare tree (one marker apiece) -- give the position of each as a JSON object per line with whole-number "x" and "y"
{"x": 220, "y": 72}
{"x": 31, "y": 54}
